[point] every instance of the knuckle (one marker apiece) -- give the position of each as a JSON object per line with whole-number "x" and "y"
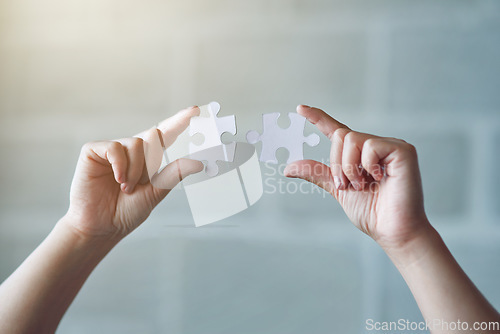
{"x": 137, "y": 144}
{"x": 407, "y": 149}
{"x": 411, "y": 148}
{"x": 133, "y": 142}
{"x": 350, "y": 138}
{"x": 88, "y": 146}
{"x": 368, "y": 153}
{"x": 339, "y": 134}
{"x": 136, "y": 141}
{"x": 114, "y": 145}
{"x": 400, "y": 141}
{"x": 369, "y": 144}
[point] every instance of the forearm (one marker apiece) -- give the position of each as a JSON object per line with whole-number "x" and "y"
{"x": 36, "y": 296}
{"x": 442, "y": 290}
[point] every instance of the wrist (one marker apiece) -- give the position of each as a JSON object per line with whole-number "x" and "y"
{"x": 416, "y": 248}
{"x": 69, "y": 228}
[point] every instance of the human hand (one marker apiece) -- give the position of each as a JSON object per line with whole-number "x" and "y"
{"x": 383, "y": 198}
{"x": 111, "y": 193}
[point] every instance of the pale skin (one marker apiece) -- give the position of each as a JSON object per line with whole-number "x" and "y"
{"x": 392, "y": 213}
{"x": 111, "y": 195}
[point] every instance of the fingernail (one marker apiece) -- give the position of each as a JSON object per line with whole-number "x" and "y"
{"x": 128, "y": 189}
{"x": 336, "y": 181}
{"x": 305, "y": 106}
{"x": 120, "y": 178}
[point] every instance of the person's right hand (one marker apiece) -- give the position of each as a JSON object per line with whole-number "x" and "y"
{"x": 117, "y": 183}
{"x": 383, "y": 198}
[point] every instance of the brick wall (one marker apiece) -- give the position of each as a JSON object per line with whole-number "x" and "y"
{"x": 425, "y": 71}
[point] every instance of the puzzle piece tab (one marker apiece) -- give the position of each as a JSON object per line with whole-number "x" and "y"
{"x": 213, "y": 154}
{"x": 210, "y": 126}
{"x": 274, "y": 137}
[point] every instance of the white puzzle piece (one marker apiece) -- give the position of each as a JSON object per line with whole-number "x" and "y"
{"x": 210, "y": 126}
{"x": 213, "y": 154}
{"x": 274, "y": 137}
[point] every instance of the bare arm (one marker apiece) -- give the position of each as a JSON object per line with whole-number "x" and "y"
{"x": 442, "y": 290}
{"x": 111, "y": 195}
{"x": 377, "y": 182}
{"x": 36, "y": 296}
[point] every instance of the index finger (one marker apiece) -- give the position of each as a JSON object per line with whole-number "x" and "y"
{"x": 324, "y": 122}
{"x": 176, "y": 124}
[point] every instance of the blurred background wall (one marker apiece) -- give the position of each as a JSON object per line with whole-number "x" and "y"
{"x": 80, "y": 70}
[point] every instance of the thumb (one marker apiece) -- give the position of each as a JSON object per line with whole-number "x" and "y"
{"x": 311, "y": 171}
{"x": 175, "y": 172}
{"x": 171, "y": 175}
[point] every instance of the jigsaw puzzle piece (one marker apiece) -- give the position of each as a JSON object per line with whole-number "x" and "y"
{"x": 210, "y": 126}
{"x": 295, "y": 137}
{"x": 223, "y": 152}
{"x": 269, "y": 137}
{"x": 274, "y": 137}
